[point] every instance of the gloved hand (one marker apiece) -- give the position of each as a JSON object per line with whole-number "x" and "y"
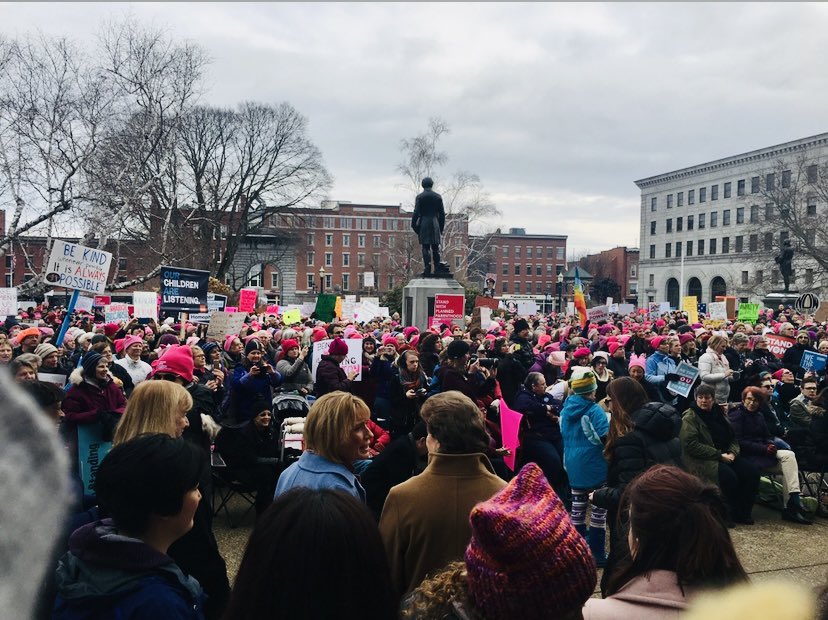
{"x": 771, "y": 450}
{"x": 671, "y": 376}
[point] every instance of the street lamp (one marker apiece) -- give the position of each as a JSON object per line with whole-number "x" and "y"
{"x": 546, "y": 299}
{"x": 322, "y": 279}
{"x": 560, "y": 291}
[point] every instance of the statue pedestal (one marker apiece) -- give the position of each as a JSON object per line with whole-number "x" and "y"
{"x": 776, "y": 298}
{"x": 418, "y": 298}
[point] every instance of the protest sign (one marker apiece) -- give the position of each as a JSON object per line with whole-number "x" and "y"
{"x": 272, "y": 309}
{"x": 8, "y": 301}
{"x": 749, "y": 312}
{"x": 778, "y": 344}
{"x": 485, "y": 302}
{"x": 348, "y": 310}
{"x": 570, "y": 307}
{"x": 369, "y": 310}
{"x": 77, "y": 267}
{"x": 608, "y": 302}
{"x": 526, "y": 307}
{"x": 702, "y": 308}
{"x": 115, "y": 313}
{"x": 99, "y": 301}
{"x": 485, "y": 316}
{"x": 307, "y": 308}
{"x": 613, "y": 308}
{"x": 352, "y": 361}
{"x": 691, "y": 306}
{"x": 383, "y": 312}
{"x": 52, "y": 377}
{"x": 231, "y": 309}
{"x": 370, "y": 300}
{"x": 625, "y": 309}
{"x": 368, "y": 279}
{"x": 91, "y": 451}
{"x": 448, "y": 307}
{"x": 509, "y": 427}
{"x": 222, "y": 324}
{"x": 83, "y": 304}
{"x": 216, "y": 302}
{"x": 687, "y": 377}
{"x": 654, "y": 309}
{"x": 146, "y": 305}
{"x": 717, "y": 310}
{"x": 184, "y": 290}
{"x": 247, "y": 299}
{"x": 291, "y": 317}
{"x": 325, "y": 307}
{"x": 203, "y": 318}
{"x": 813, "y": 362}
{"x": 598, "y": 314}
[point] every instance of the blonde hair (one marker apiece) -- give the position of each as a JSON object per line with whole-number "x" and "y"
{"x": 330, "y": 422}
{"x": 153, "y": 408}
{"x": 436, "y": 595}
{"x": 715, "y": 341}
{"x": 766, "y": 601}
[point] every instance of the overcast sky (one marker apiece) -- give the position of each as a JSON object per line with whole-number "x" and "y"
{"x": 558, "y": 108}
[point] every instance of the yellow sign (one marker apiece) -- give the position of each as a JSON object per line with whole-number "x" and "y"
{"x": 691, "y": 306}
{"x": 289, "y": 317}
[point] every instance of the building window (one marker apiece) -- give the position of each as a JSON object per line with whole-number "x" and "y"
{"x": 810, "y": 236}
{"x": 679, "y": 224}
{"x": 361, "y": 241}
{"x": 670, "y": 225}
{"x": 390, "y": 282}
{"x": 689, "y": 222}
{"x": 505, "y": 249}
{"x": 346, "y": 259}
{"x": 810, "y": 209}
{"x": 714, "y": 219}
{"x": 346, "y": 222}
{"x": 528, "y": 270}
{"x": 652, "y": 251}
{"x": 754, "y": 214}
{"x": 528, "y": 252}
{"x": 559, "y": 253}
{"x": 668, "y": 250}
{"x": 678, "y": 249}
{"x": 739, "y": 243}
{"x": 375, "y": 261}
{"x": 537, "y": 288}
{"x": 550, "y": 253}
{"x": 740, "y": 215}
{"x": 769, "y": 212}
{"x": 768, "y": 246}
{"x": 328, "y": 240}
{"x": 700, "y": 248}
{"x": 725, "y": 245}
{"x": 517, "y": 251}
{"x": 346, "y": 241}
{"x": 346, "y": 282}
{"x": 689, "y": 248}
{"x": 680, "y": 199}
{"x": 770, "y": 181}
{"x": 538, "y": 270}
{"x": 505, "y": 270}
{"x": 652, "y": 279}
{"x": 691, "y": 196}
{"x": 669, "y": 201}
{"x": 517, "y": 287}
{"x": 701, "y": 221}
{"x": 309, "y": 281}
{"x": 745, "y": 276}
{"x": 504, "y": 288}
{"x": 457, "y": 262}
{"x": 760, "y": 275}
{"x": 754, "y": 185}
{"x": 528, "y": 288}
{"x": 783, "y": 236}
{"x": 274, "y": 279}
{"x": 753, "y": 243}
{"x": 310, "y": 258}
{"x": 122, "y": 263}
{"x": 310, "y": 239}
{"x": 740, "y": 187}
{"x": 653, "y": 203}
{"x": 714, "y": 192}
{"x": 809, "y": 275}
{"x": 702, "y": 194}
{"x": 375, "y": 239}
{"x": 517, "y": 270}
{"x": 727, "y": 190}
{"x": 361, "y": 260}
{"x": 652, "y": 228}
{"x": 812, "y": 174}
{"x": 392, "y": 242}
{"x": 786, "y": 179}
{"x": 549, "y": 269}
{"x": 712, "y": 246}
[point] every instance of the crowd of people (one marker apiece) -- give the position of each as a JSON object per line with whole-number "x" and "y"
{"x": 403, "y": 499}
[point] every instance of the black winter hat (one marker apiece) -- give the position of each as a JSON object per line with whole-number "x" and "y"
{"x": 520, "y": 325}
{"x": 253, "y": 345}
{"x": 91, "y": 359}
{"x": 457, "y": 349}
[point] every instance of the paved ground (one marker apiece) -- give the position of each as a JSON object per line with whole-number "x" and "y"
{"x": 771, "y": 549}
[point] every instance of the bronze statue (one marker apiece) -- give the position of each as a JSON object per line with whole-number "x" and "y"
{"x": 785, "y": 260}
{"x": 428, "y": 221}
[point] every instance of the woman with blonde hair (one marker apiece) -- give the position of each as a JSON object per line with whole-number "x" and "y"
{"x": 336, "y": 436}
{"x": 714, "y": 369}
{"x": 155, "y": 407}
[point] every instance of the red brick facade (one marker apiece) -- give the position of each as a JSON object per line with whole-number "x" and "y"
{"x": 619, "y": 264}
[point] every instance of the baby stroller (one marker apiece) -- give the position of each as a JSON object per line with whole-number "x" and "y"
{"x": 289, "y": 411}
{"x": 289, "y": 406}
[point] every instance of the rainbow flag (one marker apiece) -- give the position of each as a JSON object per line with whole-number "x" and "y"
{"x": 580, "y": 302}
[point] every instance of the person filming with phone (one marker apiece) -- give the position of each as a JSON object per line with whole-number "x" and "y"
{"x": 407, "y": 392}
{"x": 252, "y": 378}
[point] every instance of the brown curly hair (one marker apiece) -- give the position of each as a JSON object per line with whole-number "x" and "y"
{"x": 436, "y": 595}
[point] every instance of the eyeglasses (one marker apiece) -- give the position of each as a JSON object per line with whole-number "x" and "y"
{"x": 767, "y": 385}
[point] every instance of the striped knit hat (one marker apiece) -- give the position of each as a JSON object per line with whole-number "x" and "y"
{"x": 525, "y": 559}
{"x": 583, "y": 381}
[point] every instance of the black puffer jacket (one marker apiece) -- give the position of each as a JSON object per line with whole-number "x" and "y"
{"x": 653, "y": 440}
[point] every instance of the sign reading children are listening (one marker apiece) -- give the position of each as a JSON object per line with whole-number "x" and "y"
{"x": 184, "y": 290}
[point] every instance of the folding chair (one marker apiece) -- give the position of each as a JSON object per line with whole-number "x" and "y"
{"x": 812, "y": 476}
{"x": 226, "y": 487}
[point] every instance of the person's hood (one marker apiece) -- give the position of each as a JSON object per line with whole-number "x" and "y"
{"x": 659, "y": 420}
{"x": 103, "y": 563}
{"x": 658, "y": 588}
{"x": 577, "y": 406}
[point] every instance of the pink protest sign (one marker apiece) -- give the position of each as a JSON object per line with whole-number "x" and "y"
{"x": 230, "y": 309}
{"x": 509, "y": 425}
{"x": 273, "y": 309}
{"x": 448, "y": 307}
{"x": 247, "y": 299}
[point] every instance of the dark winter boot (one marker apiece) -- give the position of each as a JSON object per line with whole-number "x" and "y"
{"x": 596, "y": 539}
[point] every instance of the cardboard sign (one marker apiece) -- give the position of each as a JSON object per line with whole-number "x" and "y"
{"x": 271, "y": 309}
{"x": 77, "y": 267}
{"x": 654, "y": 309}
{"x": 485, "y": 302}
{"x": 91, "y": 451}
{"x": 813, "y": 362}
{"x": 368, "y": 279}
{"x": 231, "y": 309}
{"x": 83, "y": 304}
{"x": 292, "y": 316}
{"x": 352, "y": 361}
{"x": 115, "y": 313}
{"x": 99, "y": 301}
{"x": 184, "y": 290}
{"x": 8, "y": 301}
{"x": 447, "y": 307}
{"x": 717, "y": 310}
{"x": 749, "y": 312}
{"x": 598, "y": 314}
{"x": 247, "y": 299}
{"x": 145, "y": 304}
{"x": 203, "y": 318}
{"x": 222, "y": 324}
{"x": 325, "y": 307}
{"x": 687, "y": 377}
{"x": 216, "y": 302}
{"x": 51, "y": 377}
{"x": 702, "y": 308}
{"x": 691, "y": 306}
{"x": 778, "y": 344}
{"x": 625, "y": 309}
{"x": 527, "y": 307}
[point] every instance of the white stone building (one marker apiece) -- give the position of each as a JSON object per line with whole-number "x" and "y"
{"x": 717, "y": 219}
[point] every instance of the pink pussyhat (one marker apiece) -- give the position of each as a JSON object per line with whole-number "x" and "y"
{"x": 638, "y": 360}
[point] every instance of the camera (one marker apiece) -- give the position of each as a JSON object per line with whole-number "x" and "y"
{"x": 486, "y": 362}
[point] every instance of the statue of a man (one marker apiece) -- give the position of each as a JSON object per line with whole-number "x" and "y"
{"x": 428, "y": 221}
{"x": 785, "y": 260}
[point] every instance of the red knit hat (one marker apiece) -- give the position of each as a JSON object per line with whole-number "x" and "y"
{"x": 176, "y": 360}
{"x": 522, "y": 541}
{"x": 289, "y": 344}
{"x": 338, "y": 347}
{"x": 582, "y": 352}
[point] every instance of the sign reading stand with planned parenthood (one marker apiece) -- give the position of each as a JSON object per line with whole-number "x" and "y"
{"x": 78, "y": 267}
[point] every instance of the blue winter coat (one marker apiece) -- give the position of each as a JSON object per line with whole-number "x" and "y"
{"x": 316, "y": 472}
{"x": 244, "y": 388}
{"x": 583, "y": 424}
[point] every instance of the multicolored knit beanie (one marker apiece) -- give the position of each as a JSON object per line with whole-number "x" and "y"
{"x": 583, "y": 381}
{"x": 525, "y": 559}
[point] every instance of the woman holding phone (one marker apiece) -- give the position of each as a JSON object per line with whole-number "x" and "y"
{"x": 252, "y": 378}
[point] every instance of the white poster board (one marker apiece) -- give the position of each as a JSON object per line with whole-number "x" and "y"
{"x": 8, "y": 301}
{"x": 717, "y": 310}
{"x": 145, "y": 305}
{"x": 626, "y": 309}
{"x": 527, "y": 307}
{"x": 222, "y": 324}
{"x": 352, "y": 361}
{"x": 368, "y": 278}
{"x": 84, "y": 303}
{"x": 598, "y": 314}
{"x": 116, "y": 313}
{"x": 77, "y": 267}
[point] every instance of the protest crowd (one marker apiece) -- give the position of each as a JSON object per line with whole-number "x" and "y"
{"x": 470, "y": 470}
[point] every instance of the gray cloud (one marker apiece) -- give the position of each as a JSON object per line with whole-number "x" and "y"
{"x": 557, "y": 107}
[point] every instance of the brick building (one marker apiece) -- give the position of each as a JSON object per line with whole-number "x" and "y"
{"x": 619, "y": 264}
